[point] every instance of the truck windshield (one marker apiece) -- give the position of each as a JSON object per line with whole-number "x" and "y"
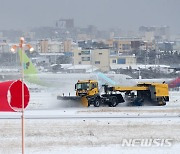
{"x": 82, "y": 86}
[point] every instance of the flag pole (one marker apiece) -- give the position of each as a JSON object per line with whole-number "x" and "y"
{"x": 21, "y": 47}
{"x": 22, "y": 116}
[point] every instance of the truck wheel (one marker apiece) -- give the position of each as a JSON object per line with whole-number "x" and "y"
{"x": 162, "y": 103}
{"x": 97, "y": 102}
{"x": 113, "y": 102}
{"x": 109, "y": 104}
{"x": 138, "y": 102}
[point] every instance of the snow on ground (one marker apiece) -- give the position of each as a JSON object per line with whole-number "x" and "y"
{"x": 89, "y": 135}
{"x": 110, "y": 150}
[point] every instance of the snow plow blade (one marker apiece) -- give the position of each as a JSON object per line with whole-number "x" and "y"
{"x": 69, "y": 98}
{"x": 84, "y": 101}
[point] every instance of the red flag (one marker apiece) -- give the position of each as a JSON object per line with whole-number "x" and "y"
{"x": 11, "y": 96}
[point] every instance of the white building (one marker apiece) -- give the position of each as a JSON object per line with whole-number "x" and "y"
{"x": 48, "y": 46}
{"x": 95, "y": 57}
{"x": 55, "y": 46}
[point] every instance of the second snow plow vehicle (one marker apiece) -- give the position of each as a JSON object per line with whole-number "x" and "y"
{"x": 153, "y": 93}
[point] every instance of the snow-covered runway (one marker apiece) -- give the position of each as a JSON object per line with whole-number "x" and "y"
{"x": 52, "y": 126}
{"x": 97, "y": 134}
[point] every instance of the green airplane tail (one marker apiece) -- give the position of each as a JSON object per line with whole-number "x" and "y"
{"x": 30, "y": 72}
{"x": 29, "y": 68}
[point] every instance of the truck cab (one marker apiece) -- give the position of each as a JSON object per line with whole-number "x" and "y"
{"x": 86, "y": 88}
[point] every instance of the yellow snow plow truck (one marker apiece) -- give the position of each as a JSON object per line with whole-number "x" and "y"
{"x": 151, "y": 93}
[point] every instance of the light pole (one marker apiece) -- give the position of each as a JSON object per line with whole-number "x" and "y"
{"x": 21, "y": 46}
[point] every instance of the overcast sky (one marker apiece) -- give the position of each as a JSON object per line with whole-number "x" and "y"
{"x": 125, "y": 14}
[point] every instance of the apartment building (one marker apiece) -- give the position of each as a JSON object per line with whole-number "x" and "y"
{"x": 43, "y": 46}
{"x": 122, "y": 44}
{"x": 158, "y": 33}
{"x": 65, "y": 23}
{"x": 47, "y": 46}
{"x": 95, "y": 57}
{"x": 101, "y": 59}
{"x": 55, "y": 46}
{"x": 122, "y": 60}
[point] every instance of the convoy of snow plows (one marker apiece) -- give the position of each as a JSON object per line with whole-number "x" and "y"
{"x": 89, "y": 93}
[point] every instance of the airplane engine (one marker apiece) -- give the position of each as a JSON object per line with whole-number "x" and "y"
{"x": 11, "y": 96}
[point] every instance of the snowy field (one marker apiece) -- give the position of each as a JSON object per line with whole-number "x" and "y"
{"x": 54, "y": 126}
{"x": 88, "y": 135}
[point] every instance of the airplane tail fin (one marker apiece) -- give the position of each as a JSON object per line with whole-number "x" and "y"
{"x": 30, "y": 72}
{"x": 29, "y": 68}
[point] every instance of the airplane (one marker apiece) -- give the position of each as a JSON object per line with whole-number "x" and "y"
{"x": 64, "y": 79}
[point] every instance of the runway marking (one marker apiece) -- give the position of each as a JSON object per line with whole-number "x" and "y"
{"x": 93, "y": 117}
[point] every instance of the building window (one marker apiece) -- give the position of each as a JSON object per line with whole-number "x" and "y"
{"x": 126, "y": 46}
{"x": 85, "y": 58}
{"x": 79, "y": 53}
{"x": 100, "y": 53}
{"x": 114, "y": 61}
{"x": 97, "y": 62}
{"x": 85, "y": 52}
{"x": 113, "y": 52}
{"x": 121, "y": 61}
{"x": 79, "y": 62}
